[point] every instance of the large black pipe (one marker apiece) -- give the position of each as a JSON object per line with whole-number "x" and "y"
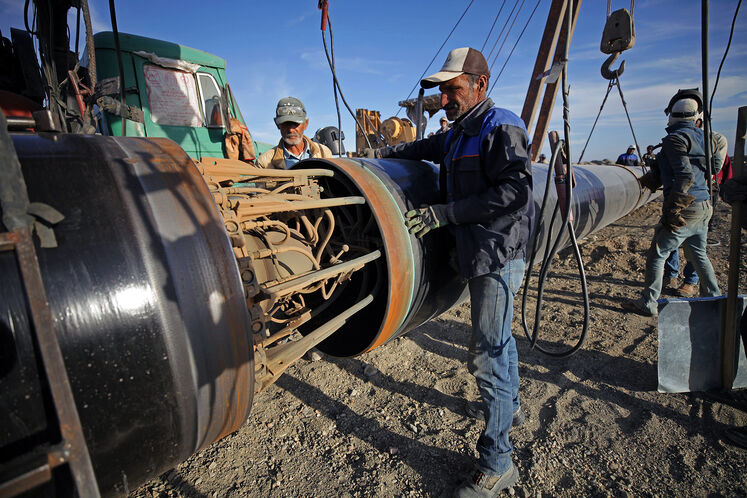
{"x": 147, "y": 304}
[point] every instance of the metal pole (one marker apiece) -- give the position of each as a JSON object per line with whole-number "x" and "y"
{"x": 729, "y": 347}
{"x": 706, "y": 115}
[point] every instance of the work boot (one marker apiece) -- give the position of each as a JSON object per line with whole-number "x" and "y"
{"x": 637, "y": 306}
{"x": 474, "y": 409}
{"x": 670, "y": 283}
{"x": 687, "y": 290}
{"x": 477, "y": 484}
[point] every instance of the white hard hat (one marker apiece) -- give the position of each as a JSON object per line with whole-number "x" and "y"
{"x": 684, "y": 110}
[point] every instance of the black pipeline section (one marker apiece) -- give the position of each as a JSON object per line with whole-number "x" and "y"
{"x": 147, "y": 306}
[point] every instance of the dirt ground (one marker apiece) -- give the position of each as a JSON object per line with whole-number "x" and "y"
{"x": 392, "y": 423}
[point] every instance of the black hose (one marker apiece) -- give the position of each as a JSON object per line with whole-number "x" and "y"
{"x": 547, "y": 260}
{"x": 336, "y": 84}
{"x": 123, "y": 106}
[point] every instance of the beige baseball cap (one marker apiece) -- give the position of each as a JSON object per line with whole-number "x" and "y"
{"x": 459, "y": 61}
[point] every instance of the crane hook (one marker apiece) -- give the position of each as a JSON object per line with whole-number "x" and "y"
{"x": 608, "y": 73}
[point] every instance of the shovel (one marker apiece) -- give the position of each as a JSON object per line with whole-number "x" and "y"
{"x": 699, "y": 347}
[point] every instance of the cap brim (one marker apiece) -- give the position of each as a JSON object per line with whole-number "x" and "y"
{"x": 285, "y": 119}
{"x": 438, "y": 78}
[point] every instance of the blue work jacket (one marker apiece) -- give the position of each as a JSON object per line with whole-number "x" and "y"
{"x": 682, "y": 163}
{"x": 486, "y": 180}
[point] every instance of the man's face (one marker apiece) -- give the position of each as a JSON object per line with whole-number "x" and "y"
{"x": 459, "y": 96}
{"x": 292, "y": 133}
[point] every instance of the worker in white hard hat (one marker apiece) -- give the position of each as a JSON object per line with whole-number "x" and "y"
{"x": 687, "y": 206}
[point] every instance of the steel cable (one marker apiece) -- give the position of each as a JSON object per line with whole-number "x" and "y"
{"x": 437, "y": 52}
{"x": 514, "y": 47}
{"x": 505, "y": 24}
{"x": 493, "y": 26}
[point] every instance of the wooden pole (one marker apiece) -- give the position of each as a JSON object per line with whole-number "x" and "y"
{"x": 551, "y": 89}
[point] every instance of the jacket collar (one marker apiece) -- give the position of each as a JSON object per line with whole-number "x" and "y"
{"x": 471, "y": 123}
{"x": 278, "y": 157}
{"x": 680, "y": 125}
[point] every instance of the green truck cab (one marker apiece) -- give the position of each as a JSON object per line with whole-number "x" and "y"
{"x": 181, "y": 92}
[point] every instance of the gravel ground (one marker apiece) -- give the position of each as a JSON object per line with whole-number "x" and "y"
{"x": 392, "y": 423}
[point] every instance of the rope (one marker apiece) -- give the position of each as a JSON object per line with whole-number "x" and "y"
{"x": 436, "y": 55}
{"x": 604, "y": 101}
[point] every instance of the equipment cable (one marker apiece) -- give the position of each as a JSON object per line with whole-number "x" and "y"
{"x": 549, "y": 254}
{"x": 721, "y": 65}
{"x": 514, "y": 47}
{"x": 325, "y": 18}
{"x": 334, "y": 90}
{"x": 115, "y": 32}
{"x": 437, "y": 52}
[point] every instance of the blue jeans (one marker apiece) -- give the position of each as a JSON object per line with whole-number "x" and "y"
{"x": 672, "y": 269}
{"x": 693, "y": 239}
{"x": 494, "y": 361}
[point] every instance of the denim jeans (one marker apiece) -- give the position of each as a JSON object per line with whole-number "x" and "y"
{"x": 693, "y": 239}
{"x": 494, "y": 361}
{"x": 672, "y": 269}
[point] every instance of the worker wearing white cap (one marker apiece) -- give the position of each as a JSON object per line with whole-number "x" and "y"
{"x": 687, "y": 207}
{"x": 487, "y": 204}
{"x": 629, "y": 158}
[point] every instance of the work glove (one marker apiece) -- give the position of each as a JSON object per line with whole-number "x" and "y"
{"x": 651, "y": 181}
{"x": 673, "y": 205}
{"x": 421, "y": 221}
{"x": 367, "y": 152}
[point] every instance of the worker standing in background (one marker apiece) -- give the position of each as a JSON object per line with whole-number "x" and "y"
{"x": 486, "y": 195}
{"x": 687, "y": 207}
{"x": 629, "y": 158}
{"x": 444, "y": 125}
{"x": 291, "y": 120}
{"x": 649, "y": 158}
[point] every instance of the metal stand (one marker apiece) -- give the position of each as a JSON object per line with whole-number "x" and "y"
{"x": 71, "y": 449}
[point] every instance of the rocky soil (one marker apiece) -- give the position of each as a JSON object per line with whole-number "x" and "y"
{"x": 392, "y": 423}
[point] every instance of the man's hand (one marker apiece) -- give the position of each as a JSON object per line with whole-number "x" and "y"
{"x": 371, "y": 153}
{"x": 673, "y": 206}
{"x": 423, "y": 220}
{"x": 650, "y": 181}
{"x": 672, "y": 221}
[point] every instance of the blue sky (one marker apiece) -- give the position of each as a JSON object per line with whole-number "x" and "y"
{"x": 381, "y": 48}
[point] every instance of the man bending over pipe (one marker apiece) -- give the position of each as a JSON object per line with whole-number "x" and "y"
{"x": 486, "y": 190}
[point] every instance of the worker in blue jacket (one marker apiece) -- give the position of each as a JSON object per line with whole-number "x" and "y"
{"x": 629, "y": 158}
{"x": 486, "y": 194}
